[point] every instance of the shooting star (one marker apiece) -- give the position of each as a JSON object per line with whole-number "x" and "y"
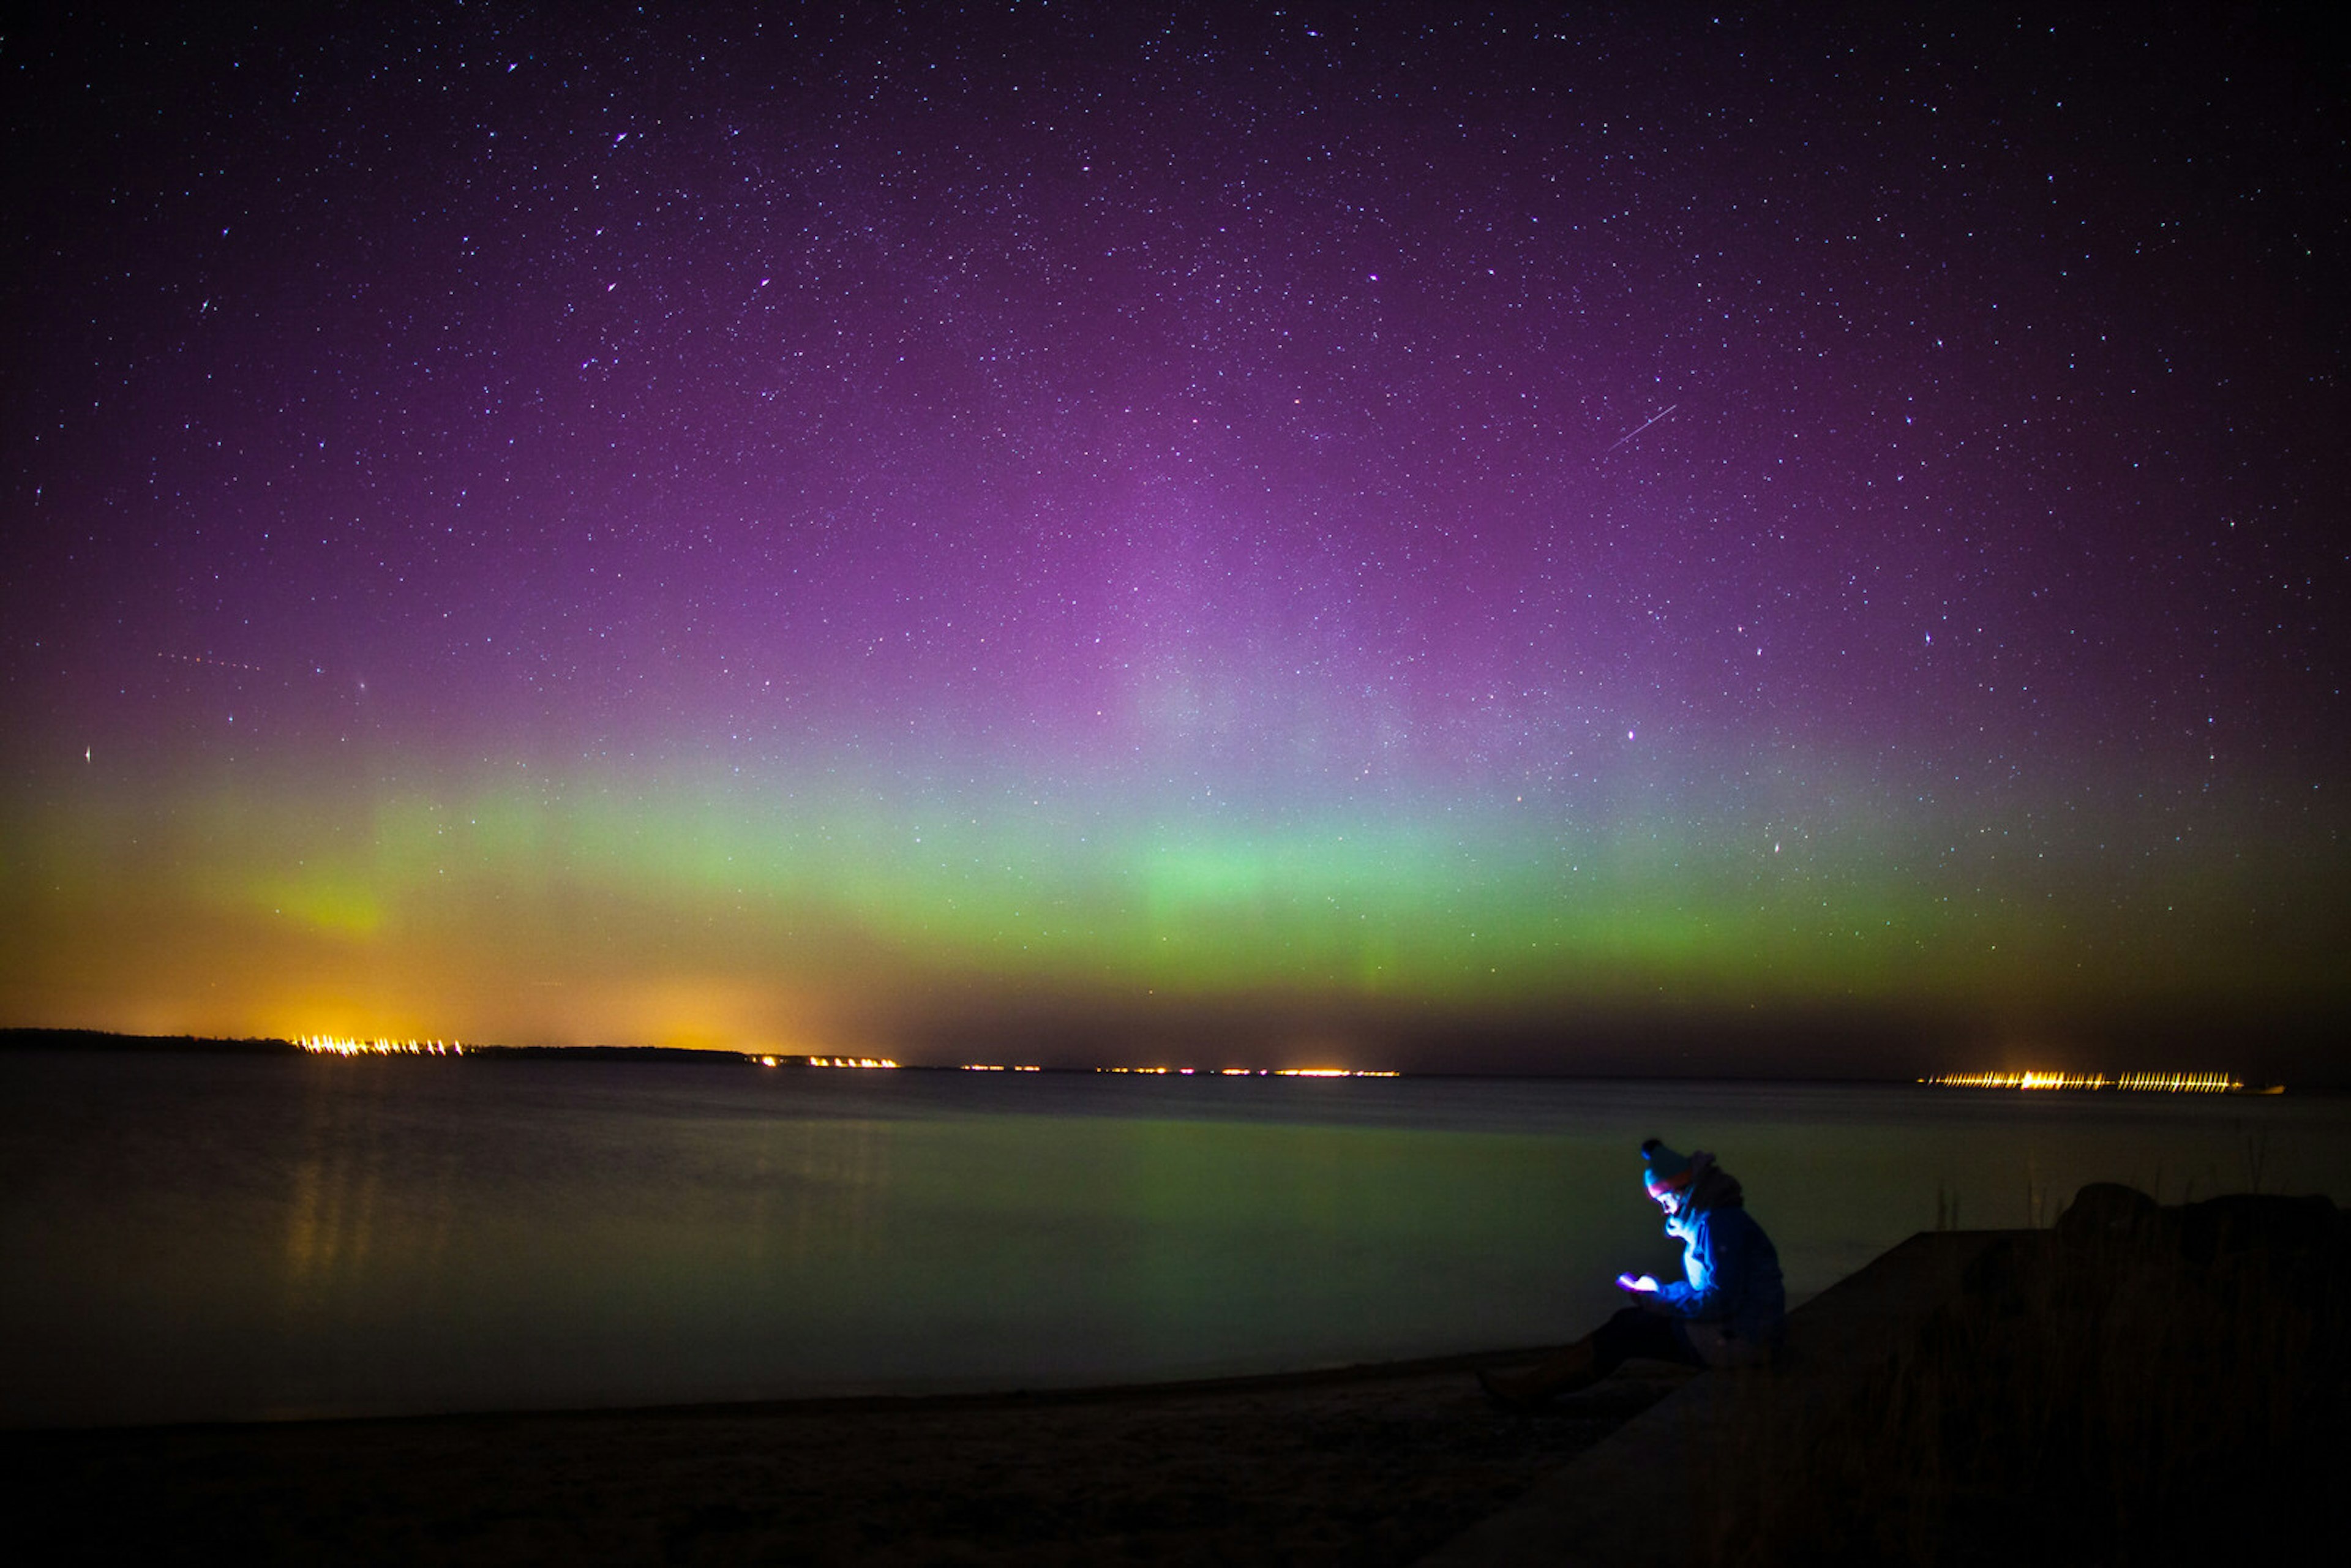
{"x": 208, "y": 659}
{"x": 1643, "y": 425}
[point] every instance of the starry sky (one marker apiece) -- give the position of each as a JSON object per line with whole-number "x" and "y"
{"x": 1530, "y": 537}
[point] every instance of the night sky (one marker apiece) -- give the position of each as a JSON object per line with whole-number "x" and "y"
{"x": 1440, "y": 537}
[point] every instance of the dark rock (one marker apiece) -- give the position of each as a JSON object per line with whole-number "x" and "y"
{"x": 2105, "y": 1212}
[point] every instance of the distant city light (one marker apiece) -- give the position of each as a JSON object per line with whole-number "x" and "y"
{"x": 348, "y": 1045}
{"x": 771, "y": 1061}
{"x": 344, "y": 1045}
{"x": 2145, "y": 1083}
{"x": 1267, "y": 1071}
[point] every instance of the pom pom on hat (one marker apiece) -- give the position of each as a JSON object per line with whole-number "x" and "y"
{"x": 1662, "y": 1170}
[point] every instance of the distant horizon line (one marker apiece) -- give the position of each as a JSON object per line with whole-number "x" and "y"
{"x": 2036, "y": 1080}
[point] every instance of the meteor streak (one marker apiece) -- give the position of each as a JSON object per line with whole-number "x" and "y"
{"x": 1643, "y": 425}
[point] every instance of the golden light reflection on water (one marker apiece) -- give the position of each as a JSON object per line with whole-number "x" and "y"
{"x": 833, "y": 1197}
{"x": 352, "y": 1211}
{"x": 330, "y": 1221}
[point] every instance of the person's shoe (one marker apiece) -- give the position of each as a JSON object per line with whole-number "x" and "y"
{"x": 1572, "y": 1369}
{"x": 1513, "y": 1390}
{"x": 1576, "y": 1368}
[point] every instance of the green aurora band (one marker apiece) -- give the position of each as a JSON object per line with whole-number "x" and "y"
{"x": 824, "y": 910}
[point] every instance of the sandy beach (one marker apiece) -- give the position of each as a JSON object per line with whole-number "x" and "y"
{"x": 1369, "y": 1465}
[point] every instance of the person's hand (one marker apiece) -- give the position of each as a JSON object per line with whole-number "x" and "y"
{"x": 1639, "y": 1284}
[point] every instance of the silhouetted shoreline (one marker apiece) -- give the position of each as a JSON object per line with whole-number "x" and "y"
{"x": 102, "y": 1040}
{"x": 107, "y": 1042}
{"x": 98, "y": 1039}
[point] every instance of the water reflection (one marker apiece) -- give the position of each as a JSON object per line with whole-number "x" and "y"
{"x": 214, "y": 1238}
{"x": 364, "y": 1200}
{"x": 337, "y": 1179}
{"x": 817, "y": 1188}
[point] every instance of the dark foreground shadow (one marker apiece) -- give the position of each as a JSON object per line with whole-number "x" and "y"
{"x": 2137, "y": 1385}
{"x": 1368, "y": 1465}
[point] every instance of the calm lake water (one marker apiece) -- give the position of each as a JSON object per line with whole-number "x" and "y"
{"x": 229, "y": 1237}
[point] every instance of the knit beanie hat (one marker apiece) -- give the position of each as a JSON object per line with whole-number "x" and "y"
{"x": 1662, "y": 1170}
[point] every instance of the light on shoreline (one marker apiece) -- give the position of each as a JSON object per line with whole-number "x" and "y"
{"x": 350, "y": 1045}
{"x": 765, "y": 1059}
{"x": 1267, "y": 1071}
{"x": 2142, "y": 1082}
{"x": 344, "y": 1045}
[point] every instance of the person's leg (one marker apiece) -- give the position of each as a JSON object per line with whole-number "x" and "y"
{"x": 1631, "y": 1332}
{"x": 1634, "y": 1334}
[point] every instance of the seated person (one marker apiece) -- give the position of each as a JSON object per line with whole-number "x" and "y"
{"x": 1728, "y": 1310}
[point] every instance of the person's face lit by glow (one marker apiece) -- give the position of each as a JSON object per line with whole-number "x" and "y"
{"x": 1668, "y": 1198}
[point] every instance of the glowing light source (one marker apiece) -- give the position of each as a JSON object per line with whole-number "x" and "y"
{"x": 343, "y": 1045}
{"x": 2143, "y": 1083}
{"x": 1267, "y": 1071}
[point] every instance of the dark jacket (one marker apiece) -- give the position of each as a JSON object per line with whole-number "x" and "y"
{"x": 1733, "y": 1271}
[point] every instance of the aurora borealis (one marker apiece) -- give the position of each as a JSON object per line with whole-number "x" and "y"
{"x": 1118, "y": 532}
